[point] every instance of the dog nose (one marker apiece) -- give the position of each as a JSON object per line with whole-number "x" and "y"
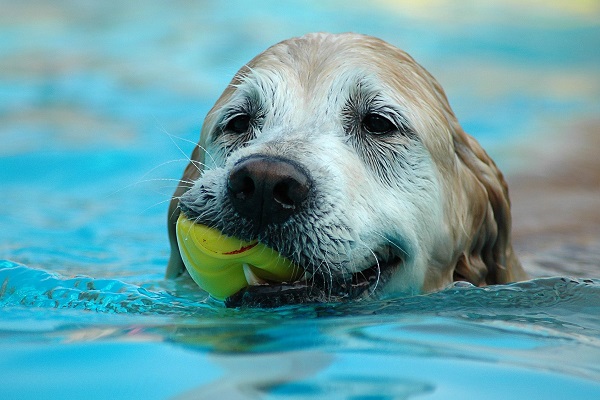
{"x": 267, "y": 190}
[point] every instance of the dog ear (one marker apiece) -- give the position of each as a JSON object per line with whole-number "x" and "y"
{"x": 481, "y": 207}
{"x": 489, "y": 257}
{"x": 191, "y": 174}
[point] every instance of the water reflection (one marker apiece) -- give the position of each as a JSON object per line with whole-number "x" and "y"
{"x": 253, "y": 376}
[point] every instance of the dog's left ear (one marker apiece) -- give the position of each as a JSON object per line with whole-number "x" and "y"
{"x": 489, "y": 257}
{"x": 482, "y": 210}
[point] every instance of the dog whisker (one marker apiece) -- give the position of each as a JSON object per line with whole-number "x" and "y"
{"x": 392, "y": 243}
{"x": 166, "y": 201}
{"x": 172, "y": 139}
{"x": 374, "y": 288}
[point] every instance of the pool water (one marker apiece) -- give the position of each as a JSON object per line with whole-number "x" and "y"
{"x": 101, "y": 104}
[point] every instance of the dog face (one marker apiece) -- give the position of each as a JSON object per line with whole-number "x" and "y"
{"x": 342, "y": 153}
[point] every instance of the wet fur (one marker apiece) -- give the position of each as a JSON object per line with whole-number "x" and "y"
{"x": 427, "y": 193}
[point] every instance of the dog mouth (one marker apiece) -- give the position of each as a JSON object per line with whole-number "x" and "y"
{"x": 320, "y": 283}
{"x": 315, "y": 288}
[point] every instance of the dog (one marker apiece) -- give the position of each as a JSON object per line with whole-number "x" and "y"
{"x": 342, "y": 153}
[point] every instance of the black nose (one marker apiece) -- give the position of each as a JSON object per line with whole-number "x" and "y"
{"x": 267, "y": 190}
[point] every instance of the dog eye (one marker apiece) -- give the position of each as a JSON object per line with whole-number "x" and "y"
{"x": 238, "y": 124}
{"x": 377, "y": 124}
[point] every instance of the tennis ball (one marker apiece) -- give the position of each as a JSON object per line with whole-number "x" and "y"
{"x": 223, "y": 265}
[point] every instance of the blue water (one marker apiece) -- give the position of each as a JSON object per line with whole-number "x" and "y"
{"x": 100, "y": 101}
{"x": 62, "y": 336}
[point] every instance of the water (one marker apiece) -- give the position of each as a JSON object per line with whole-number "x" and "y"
{"x": 539, "y": 338}
{"x": 99, "y": 101}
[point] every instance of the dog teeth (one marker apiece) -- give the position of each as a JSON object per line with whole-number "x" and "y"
{"x": 251, "y": 277}
{"x": 307, "y": 276}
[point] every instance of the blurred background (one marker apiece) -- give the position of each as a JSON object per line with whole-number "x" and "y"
{"x": 101, "y": 102}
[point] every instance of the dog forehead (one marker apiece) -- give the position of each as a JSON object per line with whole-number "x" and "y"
{"x": 321, "y": 68}
{"x": 312, "y": 64}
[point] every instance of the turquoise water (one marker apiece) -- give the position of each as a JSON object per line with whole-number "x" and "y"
{"x": 110, "y": 339}
{"x": 99, "y": 103}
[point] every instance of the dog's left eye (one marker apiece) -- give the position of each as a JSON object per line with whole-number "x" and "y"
{"x": 238, "y": 124}
{"x": 377, "y": 124}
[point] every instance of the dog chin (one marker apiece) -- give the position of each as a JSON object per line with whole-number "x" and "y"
{"x": 318, "y": 288}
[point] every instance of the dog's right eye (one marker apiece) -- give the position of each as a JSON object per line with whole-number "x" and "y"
{"x": 238, "y": 124}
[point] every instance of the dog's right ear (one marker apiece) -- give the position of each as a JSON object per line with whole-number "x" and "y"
{"x": 193, "y": 171}
{"x": 190, "y": 175}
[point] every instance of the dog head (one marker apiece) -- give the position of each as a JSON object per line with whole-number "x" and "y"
{"x": 343, "y": 154}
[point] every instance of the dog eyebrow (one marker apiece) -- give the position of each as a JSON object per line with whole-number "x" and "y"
{"x": 364, "y": 97}
{"x": 247, "y": 100}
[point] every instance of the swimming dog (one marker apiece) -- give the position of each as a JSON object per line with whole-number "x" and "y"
{"x": 343, "y": 154}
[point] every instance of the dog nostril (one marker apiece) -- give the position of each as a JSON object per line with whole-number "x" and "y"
{"x": 281, "y": 194}
{"x": 291, "y": 191}
{"x": 246, "y": 190}
{"x": 241, "y": 185}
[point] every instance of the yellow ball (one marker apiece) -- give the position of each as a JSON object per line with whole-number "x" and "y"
{"x": 224, "y": 265}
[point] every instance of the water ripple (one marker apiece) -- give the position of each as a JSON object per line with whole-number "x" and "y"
{"x": 557, "y": 302}
{"x": 24, "y": 286}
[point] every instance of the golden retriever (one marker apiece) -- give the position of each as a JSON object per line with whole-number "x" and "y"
{"x": 343, "y": 154}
